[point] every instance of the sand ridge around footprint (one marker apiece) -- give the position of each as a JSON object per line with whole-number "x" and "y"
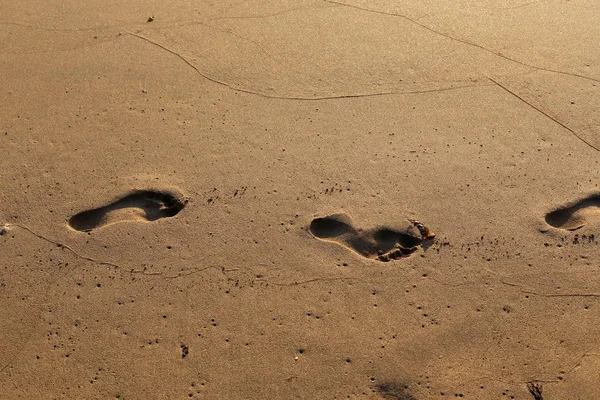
{"x": 576, "y": 214}
{"x": 381, "y": 243}
{"x": 138, "y": 205}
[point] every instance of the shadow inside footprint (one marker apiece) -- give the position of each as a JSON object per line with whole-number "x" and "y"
{"x": 331, "y": 226}
{"x": 139, "y": 205}
{"x": 387, "y": 239}
{"x": 573, "y": 216}
{"x": 384, "y": 244}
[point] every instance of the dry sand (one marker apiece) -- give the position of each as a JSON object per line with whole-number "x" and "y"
{"x": 195, "y": 204}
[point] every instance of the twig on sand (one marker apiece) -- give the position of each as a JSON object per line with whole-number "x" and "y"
{"x": 535, "y": 389}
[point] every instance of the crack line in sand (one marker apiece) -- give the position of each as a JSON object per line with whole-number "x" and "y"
{"x": 473, "y": 44}
{"x": 512, "y": 8}
{"x": 178, "y": 275}
{"x": 500, "y": 8}
{"x": 556, "y": 380}
{"x": 143, "y": 271}
{"x": 586, "y": 354}
{"x": 546, "y": 114}
{"x": 529, "y": 291}
{"x": 203, "y": 23}
{"x": 196, "y": 270}
{"x": 562, "y": 295}
{"x": 349, "y": 96}
{"x": 181, "y": 57}
{"x": 64, "y": 246}
{"x": 306, "y": 281}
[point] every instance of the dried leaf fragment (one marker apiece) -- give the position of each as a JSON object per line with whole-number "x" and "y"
{"x": 425, "y": 232}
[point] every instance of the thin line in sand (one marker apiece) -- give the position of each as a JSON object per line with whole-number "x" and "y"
{"x": 546, "y": 114}
{"x": 414, "y": 21}
{"x": 529, "y": 291}
{"x": 351, "y": 96}
{"x": 297, "y": 283}
{"x": 64, "y": 246}
{"x": 117, "y": 266}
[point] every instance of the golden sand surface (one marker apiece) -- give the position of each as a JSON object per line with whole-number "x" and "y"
{"x": 216, "y": 200}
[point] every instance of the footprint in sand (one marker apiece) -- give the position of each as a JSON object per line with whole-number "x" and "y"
{"x": 383, "y": 244}
{"x": 139, "y": 205}
{"x": 575, "y": 215}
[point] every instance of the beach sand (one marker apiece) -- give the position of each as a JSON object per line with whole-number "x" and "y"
{"x": 196, "y": 198}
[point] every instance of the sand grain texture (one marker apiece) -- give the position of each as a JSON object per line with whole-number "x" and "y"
{"x": 161, "y": 182}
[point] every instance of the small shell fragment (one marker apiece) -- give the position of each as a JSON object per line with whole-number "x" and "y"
{"x": 425, "y": 232}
